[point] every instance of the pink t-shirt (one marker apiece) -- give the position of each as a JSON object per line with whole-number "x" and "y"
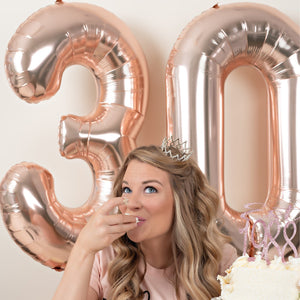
{"x": 155, "y": 283}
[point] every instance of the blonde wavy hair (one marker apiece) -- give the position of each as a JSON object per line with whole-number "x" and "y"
{"x": 196, "y": 240}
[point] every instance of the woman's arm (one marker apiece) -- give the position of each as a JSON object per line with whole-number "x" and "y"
{"x": 75, "y": 281}
{"x": 100, "y": 231}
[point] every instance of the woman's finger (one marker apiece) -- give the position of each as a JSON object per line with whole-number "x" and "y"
{"x": 121, "y": 228}
{"x": 119, "y": 219}
{"x": 108, "y": 206}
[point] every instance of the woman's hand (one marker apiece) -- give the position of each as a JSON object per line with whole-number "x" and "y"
{"x": 99, "y": 232}
{"x": 103, "y": 228}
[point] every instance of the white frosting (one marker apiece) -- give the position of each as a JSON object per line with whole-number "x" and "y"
{"x": 249, "y": 280}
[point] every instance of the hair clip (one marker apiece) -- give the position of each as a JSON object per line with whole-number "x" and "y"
{"x": 169, "y": 143}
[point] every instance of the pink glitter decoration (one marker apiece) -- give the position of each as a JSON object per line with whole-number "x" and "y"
{"x": 264, "y": 228}
{"x": 289, "y": 240}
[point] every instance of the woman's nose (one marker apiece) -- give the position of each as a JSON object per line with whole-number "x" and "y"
{"x": 133, "y": 202}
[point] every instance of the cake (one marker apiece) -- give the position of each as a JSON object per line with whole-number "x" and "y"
{"x": 255, "y": 279}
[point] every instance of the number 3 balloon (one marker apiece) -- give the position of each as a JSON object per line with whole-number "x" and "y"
{"x": 52, "y": 39}
{"x": 208, "y": 49}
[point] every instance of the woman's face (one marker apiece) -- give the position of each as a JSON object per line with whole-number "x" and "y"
{"x": 150, "y": 199}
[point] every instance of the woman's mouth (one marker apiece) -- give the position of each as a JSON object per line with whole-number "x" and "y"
{"x": 140, "y": 221}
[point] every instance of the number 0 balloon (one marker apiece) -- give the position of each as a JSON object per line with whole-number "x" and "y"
{"x": 208, "y": 49}
{"x": 52, "y": 39}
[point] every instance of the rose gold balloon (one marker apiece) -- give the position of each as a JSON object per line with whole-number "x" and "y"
{"x": 50, "y": 40}
{"x": 208, "y": 49}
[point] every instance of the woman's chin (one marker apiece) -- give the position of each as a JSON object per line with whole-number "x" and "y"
{"x": 134, "y": 236}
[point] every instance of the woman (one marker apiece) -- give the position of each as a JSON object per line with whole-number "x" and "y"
{"x": 164, "y": 242}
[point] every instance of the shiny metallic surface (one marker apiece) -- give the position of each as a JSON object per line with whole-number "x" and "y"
{"x": 49, "y": 41}
{"x": 208, "y": 49}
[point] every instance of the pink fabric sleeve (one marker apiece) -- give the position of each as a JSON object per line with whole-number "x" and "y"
{"x": 95, "y": 276}
{"x": 99, "y": 276}
{"x": 228, "y": 257}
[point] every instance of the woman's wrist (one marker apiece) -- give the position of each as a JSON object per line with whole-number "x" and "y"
{"x": 81, "y": 252}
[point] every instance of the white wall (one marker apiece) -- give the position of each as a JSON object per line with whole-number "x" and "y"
{"x": 29, "y": 132}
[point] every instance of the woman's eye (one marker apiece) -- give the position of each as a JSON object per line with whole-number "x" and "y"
{"x": 126, "y": 190}
{"x": 150, "y": 190}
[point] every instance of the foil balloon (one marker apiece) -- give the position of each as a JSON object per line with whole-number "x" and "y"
{"x": 49, "y": 41}
{"x": 208, "y": 49}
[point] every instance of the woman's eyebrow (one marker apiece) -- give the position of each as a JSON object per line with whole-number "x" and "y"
{"x": 145, "y": 182}
{"x": 152, "y": 180}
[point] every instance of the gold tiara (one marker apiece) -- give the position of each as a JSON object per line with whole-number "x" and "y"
{"x": 169, "y": 143}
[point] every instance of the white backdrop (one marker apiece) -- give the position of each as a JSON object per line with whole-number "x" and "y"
{"x": 30, "y": 132}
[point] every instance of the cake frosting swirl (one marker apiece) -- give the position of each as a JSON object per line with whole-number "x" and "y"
{"x": 255, "y": 279}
